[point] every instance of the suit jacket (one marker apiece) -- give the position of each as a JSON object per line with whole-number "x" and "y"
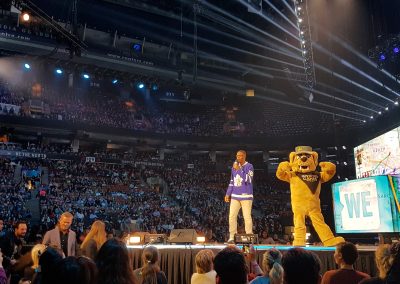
{"x": 52, "y": 238}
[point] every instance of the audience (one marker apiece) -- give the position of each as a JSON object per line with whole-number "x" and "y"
{"x": 345, "y": 256}
{"x": 79, "y": 270}
{"x": 114, "y": 264}
{"x": 3, "y": 277}
{"x": 36, "y": 252}
{"x": 273, "y": 271}
{"x": 301, "y": 266}
{"x": 48, "y": 261}
{"x": 387, "y": 258}
{"x": 150, "y": 272}
{"x": 94, "y": 239}
{"x": 205, "y": 273}
{"x": 231, "y": 267}
{"x": 11, "y": 244}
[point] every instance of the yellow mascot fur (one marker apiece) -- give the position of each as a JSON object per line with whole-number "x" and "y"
{"x": 305, "y": 187}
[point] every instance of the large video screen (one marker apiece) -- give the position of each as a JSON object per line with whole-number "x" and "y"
{"x": 368, "y": 205}
{"x": 379, "y": 156}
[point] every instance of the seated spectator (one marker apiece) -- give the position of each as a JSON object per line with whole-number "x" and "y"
{"x": 205, "y": 273}
{"x": 114, "y": 264}
{"x": 387, "y": 258}
{"x": 80, "y": 270}
{"x": 266, "y": 239}
{"x": 273, "y": 269}
{"x": 150, "y": 272}
{"x": 231, "y": 267}
{"x": 301, "y": 267}
{"x": 93, "y": 241}
{"x": 345, "y": 256}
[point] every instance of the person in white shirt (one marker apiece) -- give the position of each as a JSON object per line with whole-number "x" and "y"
{"x": 205, "y": 273}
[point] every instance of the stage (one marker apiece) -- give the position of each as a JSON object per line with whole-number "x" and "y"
{"x": 177, "y": 261}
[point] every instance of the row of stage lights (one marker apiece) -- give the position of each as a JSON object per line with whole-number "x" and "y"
{"x": 306, "y": 44}
{"x": 86, "y": 76}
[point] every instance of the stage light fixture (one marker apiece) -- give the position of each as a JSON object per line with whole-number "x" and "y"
{"x": 201, "y": 239}
{"x": 26, "y": 17}
{"x": 140, "y": 85}
{"x": 382, "y": 57}
{"x": 154, "y": 87}
{"x": 379, "y": 112}
{"x": 134, "y": 240}
{"x": 115, "y": 81}
{"x": 386, "y": 108}
{"x": 27, "y": 66}
{"x": 59, "y": 71}
{"x": 396, "y": 103}
{"x": 396, "y": 50}
{"x": 364, "y": 121}
{"x": 371, "y": 117}
{"x": 300, "y": 20}
{"x": 86, "y": 76}
{"x": 137, "y": 47}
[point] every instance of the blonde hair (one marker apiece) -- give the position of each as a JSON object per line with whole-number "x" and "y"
{"x": 272, "y": 265}
{"x": 384, "y": 260}
{"x": 66, "y": 215}
{"x": 97, "y": 233}
{"x": 204, "y": 261}
{"x": 36, "y": 252}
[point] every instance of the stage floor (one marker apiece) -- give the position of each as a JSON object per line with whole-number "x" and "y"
{"x": 177, "y": 261}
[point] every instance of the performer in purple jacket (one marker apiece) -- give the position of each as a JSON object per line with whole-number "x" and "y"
{"x": 240, "y": 194}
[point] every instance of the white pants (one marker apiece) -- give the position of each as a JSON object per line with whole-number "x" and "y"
{"x": 233, "y": 213}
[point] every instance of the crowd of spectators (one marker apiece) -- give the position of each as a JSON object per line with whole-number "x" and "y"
{"x": 160, "y": 117}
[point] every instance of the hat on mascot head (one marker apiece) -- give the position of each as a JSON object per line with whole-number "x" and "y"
{"x": 303, "y": 150}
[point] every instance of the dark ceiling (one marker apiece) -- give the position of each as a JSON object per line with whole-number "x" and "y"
{"x": 262, "y": 50}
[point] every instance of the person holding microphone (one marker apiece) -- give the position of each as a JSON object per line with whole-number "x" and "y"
{"x": 240, "y": 194}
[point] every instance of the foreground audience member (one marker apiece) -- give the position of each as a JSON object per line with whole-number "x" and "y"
{"x": 3, "y": 277}
{"x": 345, "y": 256}
{"x": 387, "y": 258}
{"x": 36, "y": 252}
{"x": 231, "y": 267}
{"x": 301, "y": 267}
{"x": 273, "y": 269}
{"x": 11, "y": 244}
{"x": 79, "y": 270}
{"x": 61, "y": 236}
{"x": 47, "y": 263}
{"x": 114, "y": 264}
{"x": 150, "y": 272}
{"x": 93, "y": 241}
{"x": 205, "y": 273}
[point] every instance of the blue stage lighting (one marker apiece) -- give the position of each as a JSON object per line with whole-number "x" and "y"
{"x": 382, "y": 57}
{"x": 59, "y": 71}
{"x": 137, "y": 47}
{"x": 154, "y": 87}
{"x": 27, "y": 66}
{"x": 396, "y": 50}
{"x": 115, "y": 81}
{"x": 140, "y": 85}
{"x": 86, "y": 76}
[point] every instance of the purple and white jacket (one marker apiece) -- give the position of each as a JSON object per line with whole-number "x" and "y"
{"x": 241, "y": 184}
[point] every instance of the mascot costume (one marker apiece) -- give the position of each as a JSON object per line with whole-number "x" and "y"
{"x": 305, "y": 186}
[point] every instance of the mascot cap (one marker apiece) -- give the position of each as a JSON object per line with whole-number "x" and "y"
{"x": 303, "y": 149}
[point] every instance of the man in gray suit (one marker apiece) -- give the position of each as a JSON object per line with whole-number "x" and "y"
{"x": 61, "y": 236}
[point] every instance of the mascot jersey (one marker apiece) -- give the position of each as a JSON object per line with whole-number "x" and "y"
{"x": 241, "y": 184}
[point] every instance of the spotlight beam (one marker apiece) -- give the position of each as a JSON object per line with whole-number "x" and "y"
{"x": 250, "y": 26}
{"x": 341, "y": 109}
{"x": 313, "y": 108}
{"x": 271, "y": 21}
{"x": 352, "y": 67}
{"x": 348, "y": 94}
{"x": 337, "y": 98}
{"x": 281, "y": 14}
{"x": 323, "y": 68}
{"x": 291, "y": 9}
{"x": 358, "y": 54}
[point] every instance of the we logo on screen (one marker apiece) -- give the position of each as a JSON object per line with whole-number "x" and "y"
{"x": 360, "y": 205}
